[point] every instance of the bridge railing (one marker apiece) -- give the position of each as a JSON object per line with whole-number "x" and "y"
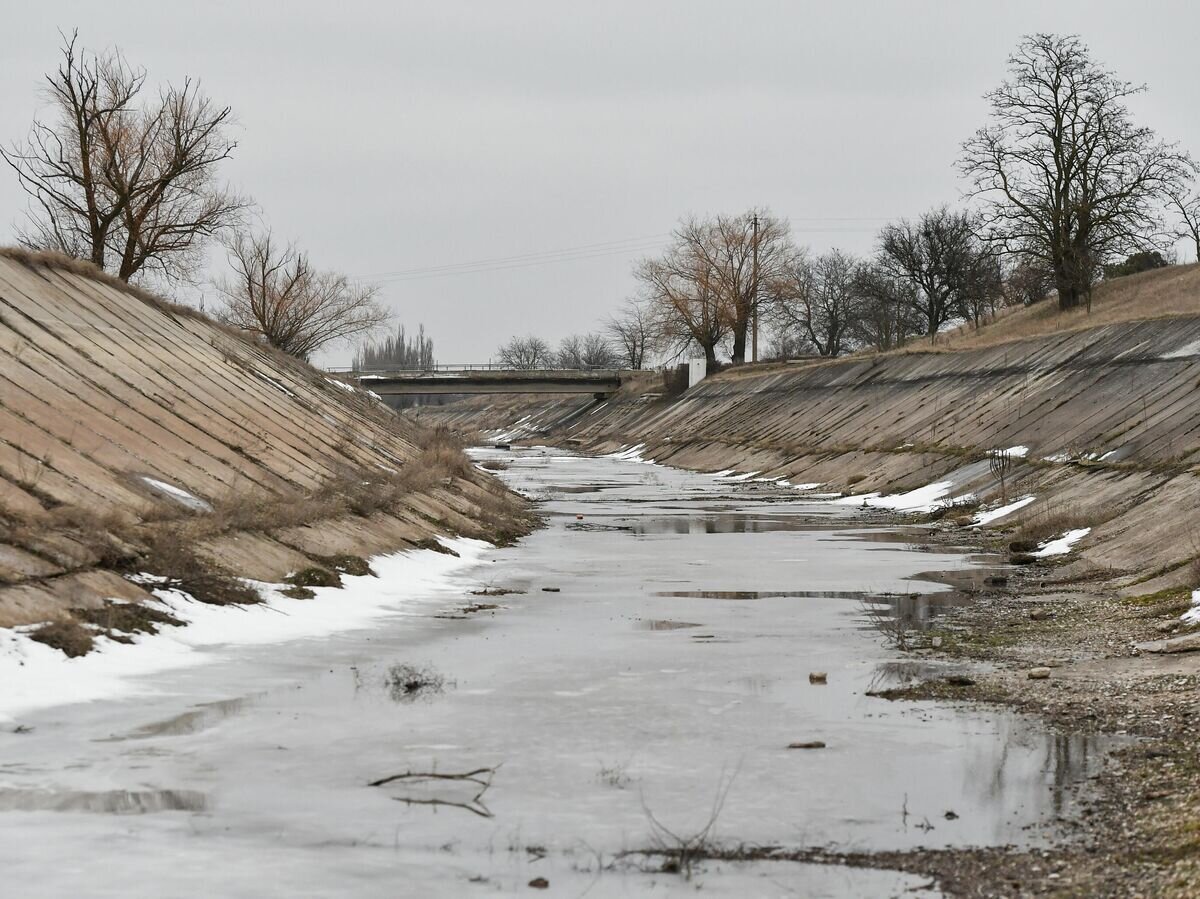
{"x": 465, "y": 367}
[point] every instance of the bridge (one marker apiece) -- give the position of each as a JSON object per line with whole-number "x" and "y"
{"x": 444, "y": 379}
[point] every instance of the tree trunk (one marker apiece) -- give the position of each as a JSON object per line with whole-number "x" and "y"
{"x": 739, "y": 344}
{"x": 1068, "y": 293}
{"x": 710, "y": 357}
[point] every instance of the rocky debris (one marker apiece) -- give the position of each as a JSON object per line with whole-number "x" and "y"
{"x": 1040, "y": 673}
{"x": 817, "y": 677}
{"x": 540, "y": 883}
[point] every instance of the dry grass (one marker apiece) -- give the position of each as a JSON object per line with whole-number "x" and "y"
{"x": 127, "y": 617}
{"x": 1046, "y": 522}
{"x": 69, "y": 637}
{"x": 170, "y": 554}
{"x": 1162, "y": 293}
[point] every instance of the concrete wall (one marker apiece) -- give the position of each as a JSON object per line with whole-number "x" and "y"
{"x": 119, "y": 406}
{"x": 1118, "y": 407}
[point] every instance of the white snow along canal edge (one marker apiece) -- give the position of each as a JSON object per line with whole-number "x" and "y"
{"x": 35, "y": 676}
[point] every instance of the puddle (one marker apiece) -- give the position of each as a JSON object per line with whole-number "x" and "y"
{"x": 763, "y": 594}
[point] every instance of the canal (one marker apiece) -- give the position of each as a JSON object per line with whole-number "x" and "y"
{"x": 631, "y": 677}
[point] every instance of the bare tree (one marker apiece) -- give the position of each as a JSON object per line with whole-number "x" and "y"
{"x": 684, "y": 305}
{"x": 397, "y": 351}
{"x": 886, "y": 308}
{"x": 1068, "y": 179}
{"x": 818, "y": 299}
{"x": 940, "y": 256}
{"x": 632, "y": 335}
{"x": 1029, "y": 281}
{"x": 598, "y": 352}
{"x": 1186, "y": 206}
{"x": 526, "y": 353}
{"x": 277, "y": 294}
{"x": 980, "y": 287}
{"x": 129, "y": 185}
{"x": 586, "y": 351}
{"x": 708, "y": 285}
{"x": 569, "y": 353}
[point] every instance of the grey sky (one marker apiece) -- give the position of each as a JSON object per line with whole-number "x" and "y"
{"x": 392, "y": 136}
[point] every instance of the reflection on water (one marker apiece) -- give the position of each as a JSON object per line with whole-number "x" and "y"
{"x": 724, "y": 523}
{"x": 109, "y": 802}
{"x": 762, "y": 594}
{"x": 663, "y": 624}
{"x": 204, "y": 716}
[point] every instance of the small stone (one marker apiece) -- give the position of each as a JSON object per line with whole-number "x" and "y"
{"x": 951, "y": 815}
{"x": 960, "y": 680}
{"x": 807, "y": 744}
{"x": 1040, "y": 615}
{"x": 539, "y": 883}
{"x": 552, "y": 589}
{"x": 936, "y": 642}
{"x": 817, "y": 677}
{"x": 1039, "y": 673}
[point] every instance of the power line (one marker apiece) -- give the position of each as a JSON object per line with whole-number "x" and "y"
{"x": 419, "y": 276}
{"x": 518, "y": 257}
{"x": 626, "y": 246}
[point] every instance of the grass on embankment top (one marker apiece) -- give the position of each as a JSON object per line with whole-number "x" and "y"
{"x": 1161, "y": 293}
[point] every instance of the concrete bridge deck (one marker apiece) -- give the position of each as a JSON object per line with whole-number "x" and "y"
{"x": 486, "y": 379}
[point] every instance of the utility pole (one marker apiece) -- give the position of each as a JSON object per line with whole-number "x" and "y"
{"x": 754, "y": 298}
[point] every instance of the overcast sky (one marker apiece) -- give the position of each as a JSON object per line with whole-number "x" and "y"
{"x": 393, "y": 137}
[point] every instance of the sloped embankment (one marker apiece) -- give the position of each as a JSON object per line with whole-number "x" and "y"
{"x": 136, "y": 436}
{"x": 1108, "y": 420}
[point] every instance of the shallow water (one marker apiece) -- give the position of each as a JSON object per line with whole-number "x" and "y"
{"x": 635, "y": 693}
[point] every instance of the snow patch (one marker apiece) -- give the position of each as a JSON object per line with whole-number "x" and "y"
{"x": 342, "y": 384}
{"x": 1062, "y": 545}
{"x": 178, "y": 494}
{"x": 275, "y": 384}
{"x": 1192, "y": 615}
{"x": 994, "y": 514}
{"x": 923, "y": 499}
{"x": 1015, "y": 452}
{"x": 36, "y": 676}
{"x": 1188, "y": 349}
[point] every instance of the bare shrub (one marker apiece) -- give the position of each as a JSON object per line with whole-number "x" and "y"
{"x": 896, "y": 626}
{"x": 681, "y": 851}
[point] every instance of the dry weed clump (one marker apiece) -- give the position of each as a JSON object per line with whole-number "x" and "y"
{"x": 407, "y": 682}
{"x": 127, "y": 617}
{"x": 69, "y": 637}
{"x": 1047, "y": 522}
{"x": 170, "y": 555}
